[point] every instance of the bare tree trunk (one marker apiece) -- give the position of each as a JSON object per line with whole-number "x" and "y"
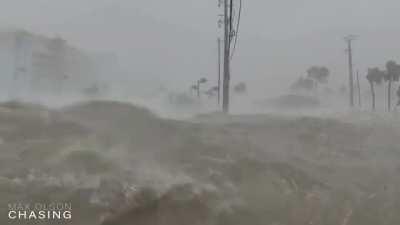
{"x": 373, "y": 95}
{"x": 398, "y": 96}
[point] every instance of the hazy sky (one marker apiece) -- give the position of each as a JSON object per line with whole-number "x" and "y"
{"x": 272, "y": 18}
{"x": 176, "y": 39}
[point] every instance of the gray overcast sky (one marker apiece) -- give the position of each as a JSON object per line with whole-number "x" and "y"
{"x": 275, "y": 16}
{"x": 175, "y": 39}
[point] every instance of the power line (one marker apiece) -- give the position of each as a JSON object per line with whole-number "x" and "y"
{"x": 231, "y": 28}
{"x": 230, "y": 21}
{"x": 237, "y": 28}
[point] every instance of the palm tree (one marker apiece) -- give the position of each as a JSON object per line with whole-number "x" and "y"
{"x": 392, "y": 75}
{"x": 240, "y": 88}
{"x": 374, "y": 76}
{"x": 398, "y": 97}
{"x": 199, "y": 82}
{"x": 319, "y": 74}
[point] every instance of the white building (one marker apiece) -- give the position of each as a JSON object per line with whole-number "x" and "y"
{"x": 32, "y": 64}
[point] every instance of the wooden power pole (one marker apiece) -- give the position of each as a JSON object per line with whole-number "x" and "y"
{"x": 359, "y": 89}
{"x": 227, "y": 43}
{"x": 219, "y": 71}
{"x": 349, "y": 39}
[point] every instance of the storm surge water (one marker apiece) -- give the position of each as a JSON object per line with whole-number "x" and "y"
{"x": 118, "y": 164}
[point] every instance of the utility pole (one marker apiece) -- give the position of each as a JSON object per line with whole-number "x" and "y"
{"x": 359, "y": 90}
{"x": 219, "y": 71}
{"x": 349, "y": 39}
{"x": 227, "y": 44}
{"x": 230, "y": 31}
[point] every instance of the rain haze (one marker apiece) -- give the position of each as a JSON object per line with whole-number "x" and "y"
{"x": 173, "y": 42}
{"x": 203, "y": 112}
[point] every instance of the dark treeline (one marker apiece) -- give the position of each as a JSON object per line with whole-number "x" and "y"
{"x": 390, "y": 75}
{"x": 315, "y": 75}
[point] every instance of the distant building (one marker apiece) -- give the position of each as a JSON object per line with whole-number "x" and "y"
{"x": 31, "y": 63}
